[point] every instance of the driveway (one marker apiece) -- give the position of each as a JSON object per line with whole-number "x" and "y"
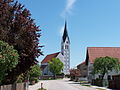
{"x": 63, "y": 84}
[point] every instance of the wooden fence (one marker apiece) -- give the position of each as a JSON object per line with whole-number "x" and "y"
{"x": 18, "y": 86}
{"x": 115, "y": 82}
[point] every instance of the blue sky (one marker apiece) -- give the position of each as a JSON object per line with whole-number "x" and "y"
{"x": 91, "y": 23}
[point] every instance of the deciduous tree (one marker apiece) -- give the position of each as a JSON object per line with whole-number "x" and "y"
{"x": 17, "y": 28}
{"x": 8, "y": 59}
{"x": 55, "y": 66}
{"x": 35, "y": 71}
{"x": 103, "y": 65}
{"x": 74, "y": 73}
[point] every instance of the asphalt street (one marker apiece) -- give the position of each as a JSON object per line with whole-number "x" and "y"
{"x": 63, "y": 84}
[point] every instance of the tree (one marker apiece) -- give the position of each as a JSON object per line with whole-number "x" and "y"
{"x": 33, "y": 74}
{"x": 17, "y": 28}
{"x": 103, "y": 65}
{"x": 8, "y": 59}
{"x": 55, "y": 66}
{"x": 35, "y": 71}
{"x": 74, "y": 73}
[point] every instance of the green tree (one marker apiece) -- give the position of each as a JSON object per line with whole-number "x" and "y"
{"x": 8, "y": 59}
{"x": 33, "y": 74}
{"x": 35, "y": 71}
{"x": 18, "y": 29}
{"x": 103, "y": 65}
{"x": 55, "y": 66}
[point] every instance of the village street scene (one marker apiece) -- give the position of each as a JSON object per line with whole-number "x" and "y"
{"x": 59, "y": 45}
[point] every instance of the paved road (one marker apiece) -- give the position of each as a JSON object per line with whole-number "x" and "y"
{"x": 64, "y": 84}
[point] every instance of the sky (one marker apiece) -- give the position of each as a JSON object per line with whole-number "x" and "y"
{"x": 90, "y": 23}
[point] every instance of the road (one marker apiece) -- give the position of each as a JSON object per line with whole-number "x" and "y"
{"x": 63, "y": 84}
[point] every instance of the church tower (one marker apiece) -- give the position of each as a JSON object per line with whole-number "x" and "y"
{"x": 65, "y": 50}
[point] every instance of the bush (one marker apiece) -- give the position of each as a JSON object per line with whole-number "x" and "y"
{"x": 8, "y": 59}
{"x": 41, "y": 89}
{"x": 36, "y": 80}
{"x": 20, "y": 78}
{"x": 35, "y": 71}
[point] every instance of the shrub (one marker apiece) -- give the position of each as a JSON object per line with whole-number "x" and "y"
{"x": 41, "y": 89}
{"x": 36, "y": 80}
{"x": 34, "y": 73}
{"x": 8, "y": 59}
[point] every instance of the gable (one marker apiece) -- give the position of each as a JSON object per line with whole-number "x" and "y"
{"x": 49, "y": 57}
{"x": 61, "y": 57}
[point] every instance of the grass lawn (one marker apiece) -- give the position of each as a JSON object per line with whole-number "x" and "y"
{"x": 86, "y": 85}
{"x": 41, "y": 89}
{"x": 100, "y": 89}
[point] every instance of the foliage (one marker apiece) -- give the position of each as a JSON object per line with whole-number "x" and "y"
{"x": 55, "y": 66}
{"x": 17, "y": 28}
{"x": 20, "y": 78}
{"x": 34, "y": 73}
{"x": 103, "y": 65}
{"x": 41, "y": 89}
{"x": 74, "y": 73}
{"x": 8, "y": 59}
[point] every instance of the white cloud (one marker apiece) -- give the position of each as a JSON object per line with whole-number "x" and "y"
{"x": 68, "y": 7}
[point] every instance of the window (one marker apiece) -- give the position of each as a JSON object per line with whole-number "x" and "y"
{"x": 109, "y": 77}
{"x": 66, "y": 46}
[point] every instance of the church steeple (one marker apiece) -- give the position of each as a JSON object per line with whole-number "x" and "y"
{"x": 65, "y": 34}
{"x": 65, "y": 50}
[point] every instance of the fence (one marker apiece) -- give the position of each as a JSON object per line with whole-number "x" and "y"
{"x": 115, "y": 82}
{"x": 18, "y": 86}
{"x": 98, "y": 82}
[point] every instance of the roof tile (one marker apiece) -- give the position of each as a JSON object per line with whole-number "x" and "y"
{"x": 95, "y": 52}
{"x": 49, "y": 57}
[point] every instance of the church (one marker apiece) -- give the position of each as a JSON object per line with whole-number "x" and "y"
{"x": 63, "y": 55}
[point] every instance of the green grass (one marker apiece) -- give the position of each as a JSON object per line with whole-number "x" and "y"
{"x": 86, "y": 85}
{"x": 100, "y": 89}
{"x": 83, "y": 82}
{"x": 41, "y": 89}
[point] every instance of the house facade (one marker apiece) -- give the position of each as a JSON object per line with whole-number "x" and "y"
{"x": 83, "y": 70}
{"x": 96, "y": 52}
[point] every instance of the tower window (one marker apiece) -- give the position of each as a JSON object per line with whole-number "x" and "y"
{"x": 66, "y": 46}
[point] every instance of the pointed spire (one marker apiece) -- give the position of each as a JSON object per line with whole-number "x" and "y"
{"x": 65, "y": 34}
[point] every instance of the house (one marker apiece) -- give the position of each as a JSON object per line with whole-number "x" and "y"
{"x": 96, "y": 52}
{"x": 83, "y": 70}
{"x": 64, "y": 55}
{"x": 44, "y": 63}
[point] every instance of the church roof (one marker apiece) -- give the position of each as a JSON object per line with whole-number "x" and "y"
{"x": 96, "y": 52}
{"x": 49, "y": 57}
{"x": 65, "y": 34}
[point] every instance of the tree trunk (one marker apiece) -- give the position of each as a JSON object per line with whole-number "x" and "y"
{"x": 103, "y": 76}
{"x": 54, "y": 76}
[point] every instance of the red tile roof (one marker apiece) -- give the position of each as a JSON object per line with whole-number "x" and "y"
{"x": 43, "y": 66}
{"x": 49, "y": 57}
{"x": 95, "y": 52}
{"x": 81, "y": 63}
